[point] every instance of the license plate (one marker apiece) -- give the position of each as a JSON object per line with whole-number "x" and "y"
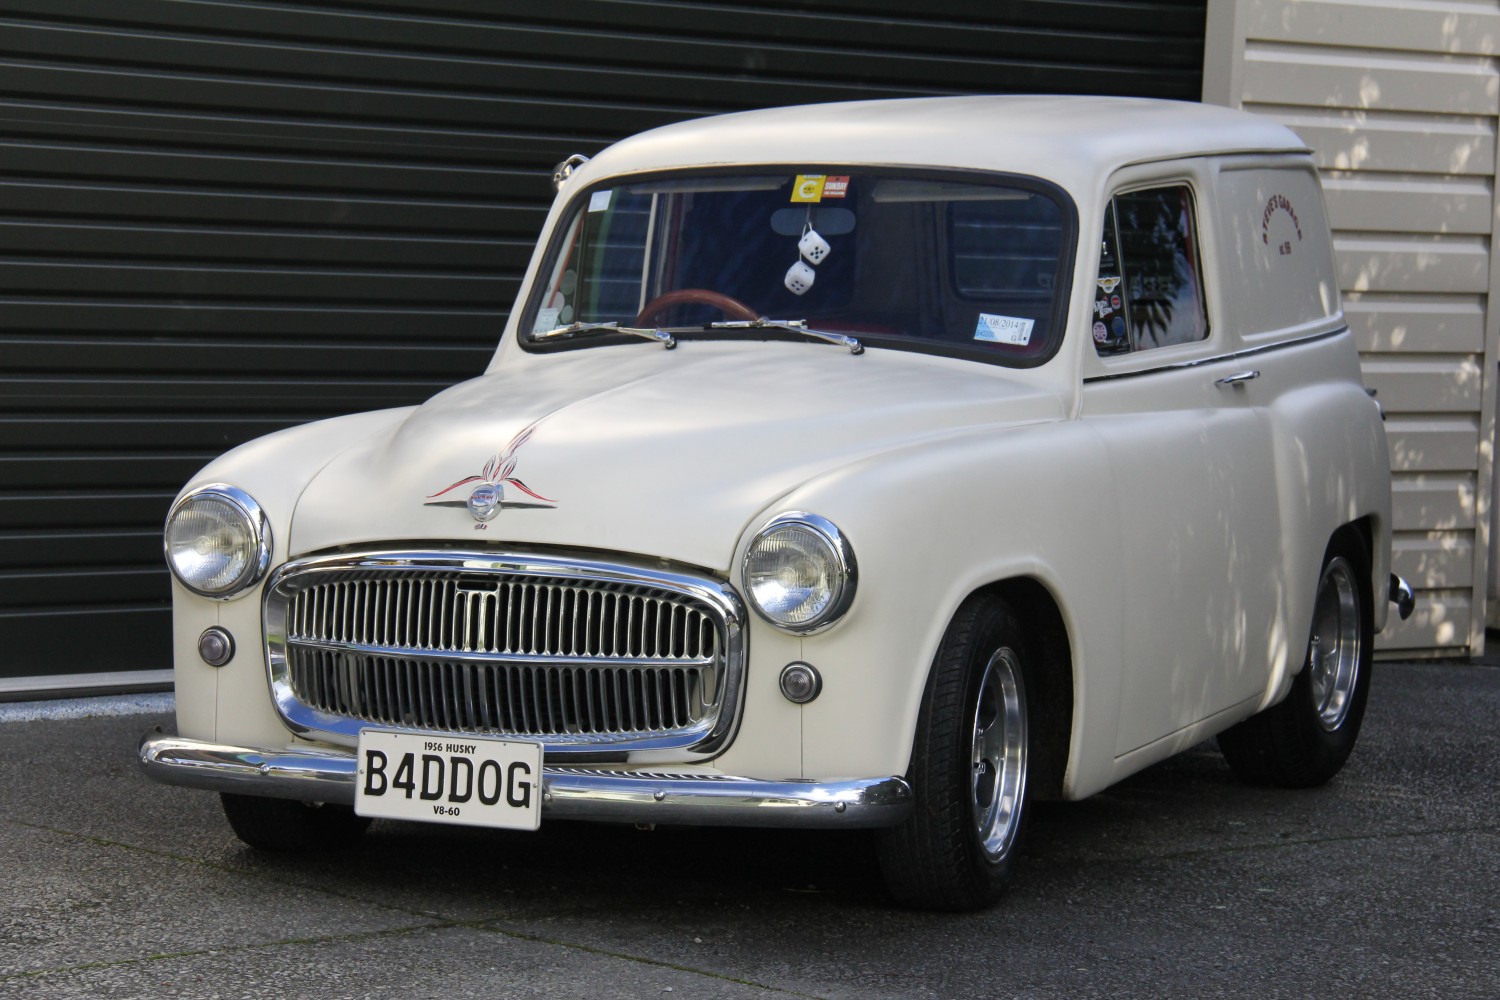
{"x": 449, "y": 779}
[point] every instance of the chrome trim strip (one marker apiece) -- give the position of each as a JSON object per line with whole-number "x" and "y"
{"x": 318, "y": 775}
{"x": 1218, "y": 358}
{"x": 469, "y": 656}
{"x": 695, "y": 743}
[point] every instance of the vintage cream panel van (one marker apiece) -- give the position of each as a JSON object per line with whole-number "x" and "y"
{"x": 885, "y": 465}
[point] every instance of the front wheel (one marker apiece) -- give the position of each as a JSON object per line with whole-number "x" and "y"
{"x": 290, "y": 826}
{"x": 968, "y": 769}
{"x": 1304, "y": 739}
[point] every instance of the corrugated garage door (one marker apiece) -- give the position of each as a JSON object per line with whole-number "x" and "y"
{"x": 221, "y": 218}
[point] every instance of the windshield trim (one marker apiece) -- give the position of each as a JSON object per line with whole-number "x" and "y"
{"x": 578, "y": 201}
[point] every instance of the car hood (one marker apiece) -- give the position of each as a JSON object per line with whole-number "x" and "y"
{"x": 640, "y": 450}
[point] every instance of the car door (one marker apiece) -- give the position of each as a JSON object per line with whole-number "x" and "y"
{"x": 1193, "y": 495}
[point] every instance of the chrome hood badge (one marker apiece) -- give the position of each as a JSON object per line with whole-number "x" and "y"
{"x": 488, "y": 498}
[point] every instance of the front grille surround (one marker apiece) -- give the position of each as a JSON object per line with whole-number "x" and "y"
{"x": 601, "y": 661}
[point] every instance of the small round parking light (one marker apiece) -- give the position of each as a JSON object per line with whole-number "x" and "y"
{"x": 800, "y": 682}
{"x": 216, "y": 646}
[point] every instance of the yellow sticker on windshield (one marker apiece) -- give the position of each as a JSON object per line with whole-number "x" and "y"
{"x": 808, "y": 187}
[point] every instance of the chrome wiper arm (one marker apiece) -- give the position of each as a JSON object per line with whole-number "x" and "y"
{"x": 793, "y": 326}
{"x": 662, "y": 337}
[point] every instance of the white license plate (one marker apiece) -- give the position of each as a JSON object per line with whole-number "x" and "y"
{"x": 449, "y": 779}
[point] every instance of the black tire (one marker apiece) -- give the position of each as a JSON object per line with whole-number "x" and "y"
{"x": 285, "y": 825}
{"x": 957, "y": 848}
{"x": 1304, "y": 739}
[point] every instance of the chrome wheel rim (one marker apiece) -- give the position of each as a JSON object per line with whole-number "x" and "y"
{"x": 1333, "y": 652}
{"x": 998, "y": 754}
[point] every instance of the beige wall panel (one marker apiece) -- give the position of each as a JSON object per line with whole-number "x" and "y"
{"x": 1442, "y": 500}
{"x": 1409, "y": 203}
{"x": 1420, "y": 383}
{"x": 1441, "y": 622}
{"x": 1347, "y": 139}
{"x": 1433, "y": 444}
{"x": 1436, "y": 560}
{"x": 1459, "y": 85}
{"x": 1395, "y": 24}
{"x": 1452, "y": 325}
{"x": 1398, "y": 100}
{"x": 1397, "y": 263}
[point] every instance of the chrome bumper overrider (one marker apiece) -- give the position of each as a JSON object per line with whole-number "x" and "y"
{"x": 1402, "y": 597}
{"x": 328, "y": 775}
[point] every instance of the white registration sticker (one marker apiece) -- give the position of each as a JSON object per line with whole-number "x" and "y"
{"x": 449, "y": 779}
{"x": 1012, "y": 330}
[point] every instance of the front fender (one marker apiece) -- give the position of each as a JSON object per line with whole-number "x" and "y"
{"x": 232, "y": 703}
{"x": 931, "y": 525}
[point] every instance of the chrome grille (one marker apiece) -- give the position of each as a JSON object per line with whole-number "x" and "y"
{"x": 577, "y": 654}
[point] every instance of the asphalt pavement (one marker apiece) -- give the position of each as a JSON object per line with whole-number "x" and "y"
{"x": 1179, "y": 882}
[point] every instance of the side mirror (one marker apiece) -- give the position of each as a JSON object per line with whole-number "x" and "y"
{"x": 565, "y": 170}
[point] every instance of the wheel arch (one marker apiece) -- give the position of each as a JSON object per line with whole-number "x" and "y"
{"x": 1049, "y": 678}
{"x": 1364, "y": 528}
{"x": 1361, "y": 533}
{"x": 1303, "y": 737}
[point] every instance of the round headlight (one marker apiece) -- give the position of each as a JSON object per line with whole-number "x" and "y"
{"x": 800, "y": 572}
{"x": 218, "y": 542}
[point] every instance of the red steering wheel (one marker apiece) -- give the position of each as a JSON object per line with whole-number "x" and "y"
{"x": 731, "y": 307}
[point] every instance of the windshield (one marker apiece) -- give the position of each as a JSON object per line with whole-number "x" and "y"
{"x": 896, "y": 259}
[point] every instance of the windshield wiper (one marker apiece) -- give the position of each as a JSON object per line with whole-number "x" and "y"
{"x": 668, "y": 341}
{"x": 662, "y": 337}
{"x": 793, "y": 326}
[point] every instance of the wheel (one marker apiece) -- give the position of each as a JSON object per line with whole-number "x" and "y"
{"x": 724, "y": 303}
{"x": 1304, "y": 739}
{"x": 968, "y": 768}
{"x": 288, "y": 825}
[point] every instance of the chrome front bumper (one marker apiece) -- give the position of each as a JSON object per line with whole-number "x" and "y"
{"x": 328, "y": 775}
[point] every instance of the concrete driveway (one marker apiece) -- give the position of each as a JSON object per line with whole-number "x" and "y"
{"x": 1179, "y": 882}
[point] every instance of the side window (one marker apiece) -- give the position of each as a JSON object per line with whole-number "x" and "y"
{"x": 1150, "y": 290}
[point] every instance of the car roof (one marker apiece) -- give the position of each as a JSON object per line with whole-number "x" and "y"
{"x": 1075, "y": 141}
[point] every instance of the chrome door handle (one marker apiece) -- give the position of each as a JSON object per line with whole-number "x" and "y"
{"x": 1238, "y": 378}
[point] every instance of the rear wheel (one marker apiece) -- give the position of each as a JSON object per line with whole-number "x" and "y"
{"x": 968, "y": 770}
{"x": 1304, "y": 739}
{"x": 288, "y": 825}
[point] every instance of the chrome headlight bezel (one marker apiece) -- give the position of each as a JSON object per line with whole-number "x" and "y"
{"x": 838, "y": 556}
{"x": 256, "y": 544}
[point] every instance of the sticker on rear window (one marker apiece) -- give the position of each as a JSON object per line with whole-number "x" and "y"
{"x": 1012, "y": 330}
